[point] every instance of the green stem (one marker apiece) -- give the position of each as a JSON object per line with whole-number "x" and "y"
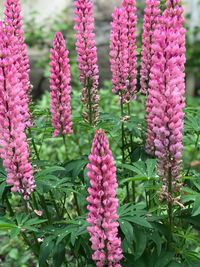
{"x": 131, "y": 139}
{"x": 54, "y": 204}
{"x": 77, "y": 205}
{"x": 194, "y": 154}
{"x": 170, "y": 208}
{"x": 34, "y": 145}
{"x": 123, "y": 142}
{"x": 89, "y": 86}
{"x": 35, "y": 201}
{"x": 9, "y": 207}
{"x": 44, "y": 205}
{"x": 65, "y": 143}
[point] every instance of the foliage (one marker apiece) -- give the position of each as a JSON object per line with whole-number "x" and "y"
{"x": 51, "y": 230}
{"x": 53, "y": 221}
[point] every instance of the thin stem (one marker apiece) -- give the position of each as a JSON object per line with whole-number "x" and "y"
{"x": 131, "y": 139}
{"x": 9, "y": 207}
{"x": 44, "y": 205}
{"x": 35, "y": 201}
{"x": 34, "y": 144}
{"x": 54, "y": 204}
{"x": 65, "y": 143}
{"x": 123, "y": 141}
{"x": 196, "y": 144}
{"x": 77, "y": 205}
{"x": 89, "y": 86}
{"x": 170, "y": 207}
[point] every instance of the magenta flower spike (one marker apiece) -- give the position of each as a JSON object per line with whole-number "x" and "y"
{"x": 87, "y": 59}
{"x": 131, "y": 10}
{"x": 103, "y": 204}
{"x": 14, "y": 19}
{"x": 166, "y": 98}
{"x": 173, "y": 17}
{"x": 14, "y": 147}
{"x": 151, "y": 14}
{"x": 119, "y": 51}
{"x": 60, "y": 84}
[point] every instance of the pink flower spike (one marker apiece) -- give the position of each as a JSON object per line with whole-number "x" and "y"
{"x": 87, "y": 59}
{"x": 14, "y": 147}
{"x": 152, "y": 12}
{"x": 103, "y": 204}
{"x": 60, "y": 80}
{"x": 13, "y": 19}
{"x": 131, "y": 11}
{"x": 119, "y": 51}
{"x": 165, "y": 103}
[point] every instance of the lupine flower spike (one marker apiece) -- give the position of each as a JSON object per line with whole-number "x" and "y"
{"x": 152, "y": 12}
{"x": 60, "y": 80}
{"x": 131, "y": 10}
{"x": 119, "y": 51}
{"x": 13, "y": 143}
{"x": 87, "y": 59}
{"x": 123, "y": 56}
{"x": 167, "y": 98}
{"x": 13, "y": 19}
{"x": 103, "y": 204}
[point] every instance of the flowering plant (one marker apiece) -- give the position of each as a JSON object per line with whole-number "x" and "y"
{"x": 102, "y": 179}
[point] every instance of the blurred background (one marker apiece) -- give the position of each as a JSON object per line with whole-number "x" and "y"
{"x": 42, "y": 18}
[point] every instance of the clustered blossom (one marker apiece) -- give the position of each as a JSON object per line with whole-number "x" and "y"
{"x": 119, "y": 51}
{"x": 87, "y": 58}
{"x": 123, "y": 56}
{"x": 13, "y": 19}
{"x": 131, "y": 10}
{"x": 103, "y": 204}
{"x": 165, "y": 118}
{"x": 60, "y": 87}
{"x": 152, "y": 12}
{"x": 13, "y": 144}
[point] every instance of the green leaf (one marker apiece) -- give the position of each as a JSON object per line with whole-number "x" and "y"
{"x": 164, "y": 259}
{"x": 139, "y": 221}
{"x": 6, "y": 224}
{"x": 127, "y": 230}
{"x": 42, "y": 174}
{"x": 45, "y": 250}
{"x": 196, "y": 207}
{"x": 141, "y": 242}
{"x": 59, "y": 255}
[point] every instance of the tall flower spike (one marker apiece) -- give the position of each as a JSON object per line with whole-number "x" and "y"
{"x": 60, "y": 80}
{"x": 13, "y": 143}
{"x": 103, "y": 204}
{"x": 166, "y": 96}
{"x": 152, "y": 12}
{"x": 119, "y": 51}
{"x": 87, "y": 59}
{"x": 130, "y": 8}
{"x": 174, "y": 18}
{"x": 13, "y": 19}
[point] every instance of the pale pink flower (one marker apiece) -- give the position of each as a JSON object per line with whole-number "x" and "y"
{"x": 103, "y": 204}
{"x": 131, "y": 13}
{"x": 152, "y": 12}
{"x": 13, "y": 18}
{"x": 14, "y": 147}
{"x": 60, "y": 84}
{"x": 119, "y": 51}
{"x": 87, "y": 58}
{"x": 165, "y": 118}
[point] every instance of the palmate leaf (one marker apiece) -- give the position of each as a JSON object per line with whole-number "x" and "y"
{"x": 143, "y": 169}
{"x": 6, "y": 224}
{"x": 75, "y": 167}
